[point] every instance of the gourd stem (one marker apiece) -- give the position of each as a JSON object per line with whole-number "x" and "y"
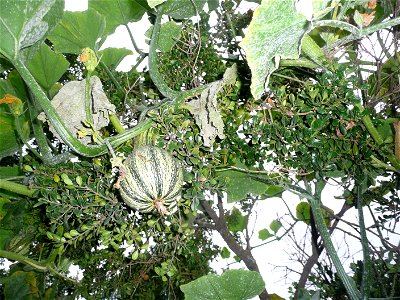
{"x": 88, "y": 99}
{"x": 347, "y": 281}
{"x": 17, "y": 188}
{"x": 365, "y": 246}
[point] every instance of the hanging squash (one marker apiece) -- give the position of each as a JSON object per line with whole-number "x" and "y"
{"x": 150, "y": 180}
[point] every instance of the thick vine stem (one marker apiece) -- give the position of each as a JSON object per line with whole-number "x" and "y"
{"x": 356, "y": 34}
{"x": 348, "y": 282}
{"x": 315, "y": 204}
{"x": 16, "y": 188}
{"x": 365, "y": 247}
{"x": 66, "y": 135}
{"x": 378, "y": 138}
{"x": 38, "y": 266}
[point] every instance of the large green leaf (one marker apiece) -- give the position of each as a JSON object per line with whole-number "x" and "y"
{"x": 118, "y": 12}
{"x": 183, "y": 8}
{"x": 171, "y": 33}
{"x": 47, "y": 66}
{"x": 23, "y": 23}
{"x": 7, "y": 172}
{"x": 240, "y": 184}
{"x": 231, "y": 285}
{"x": 78, "y": 30}
{"x": 275, "y": 32}
{"x": 112, "y": 57}
{"x": 21, "y": 285}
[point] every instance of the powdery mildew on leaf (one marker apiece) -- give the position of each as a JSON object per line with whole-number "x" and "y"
{"x": 275, "y": 32}
{"x": 35, "y": 28}
{"x": 204, "y": 109}
{"x": 70, "y": 105}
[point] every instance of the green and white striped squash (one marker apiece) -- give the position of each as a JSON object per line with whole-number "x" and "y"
{"x": 151, "y": 180}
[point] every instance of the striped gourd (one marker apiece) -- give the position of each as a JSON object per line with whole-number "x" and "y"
{"x": 151, "y": 180}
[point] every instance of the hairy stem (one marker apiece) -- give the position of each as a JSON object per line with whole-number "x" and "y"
{"x": 16, "y": 188}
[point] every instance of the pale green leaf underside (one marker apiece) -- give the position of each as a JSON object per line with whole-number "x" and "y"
{"x": 154, "y": 3}
{"x": 275, "y": 32}
{"x": 119, "y": 12}
{"x": 112, "y": 57}
{"x": 183, "y": 8}
{"x": 240, "y": 184}
{"x": 231, "y": 285}
{"x": 170, "y": 32}
{"x": 78, "y": 30}
{"x": 47, "y": 66}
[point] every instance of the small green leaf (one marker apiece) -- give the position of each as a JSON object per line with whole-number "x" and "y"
{"x": 264, "y": 234}
{"x": 151, "y": 223}
{"x": 275, "y": 225}
{"x": 28, "y": 168}
{"x": 56, "y": 178}
{"x": 66, "y": 179}
{"x": 225, "y": 253}
{"x": 236, "y": 221}
{"x": 78, "y": 180}
{"x": 303, "y": 212}
{"x": 240, "y": 184}
{"x": 135, "y": 255}
{"x": 74, "y": 233}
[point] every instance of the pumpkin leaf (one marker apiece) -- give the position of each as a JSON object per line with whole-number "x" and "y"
{"x": 240, "y": 184}
{"x": 119, "y": 12}
{"x": 78, "y": 30}
{"x": 47, "y": 66}
{"x": 21, "y": 285}
{"x": 275, "y": 32}
{"x": 24, "y": 23}
{"x": 70, "y": 105}
{"x": 231, "y": 285}
{"x": 112, "y": 57}
{"x": 183, "y": 8}
{"x": 170, "y": 32}
{"x": 154, "y": 3}
{"x": 204, "y": 109}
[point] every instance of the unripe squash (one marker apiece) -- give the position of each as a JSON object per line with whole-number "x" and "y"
{"x": 150, "y": 180}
